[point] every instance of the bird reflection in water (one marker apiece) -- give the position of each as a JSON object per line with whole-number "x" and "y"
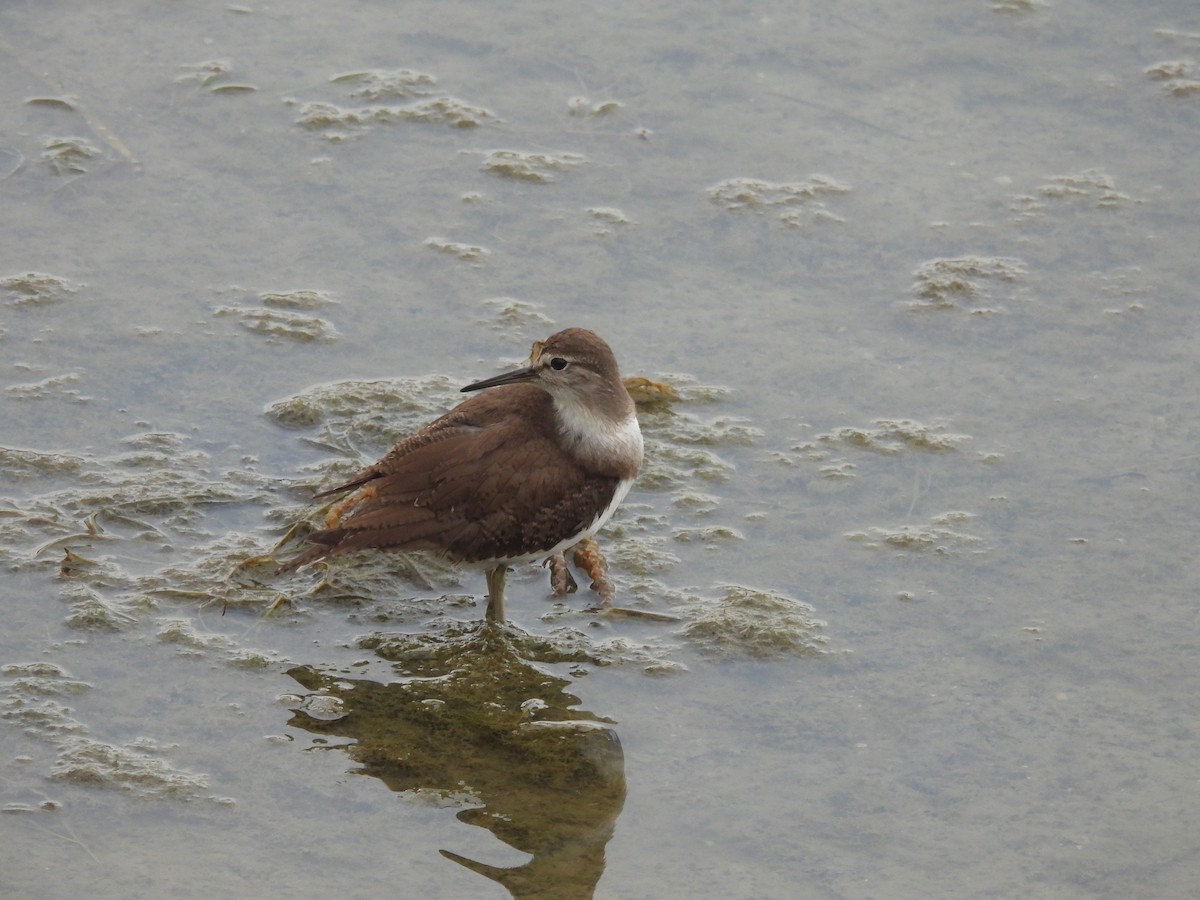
{"x": 470, "y": 715}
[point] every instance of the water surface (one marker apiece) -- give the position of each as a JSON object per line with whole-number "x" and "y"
{"x": 922, "y": 516}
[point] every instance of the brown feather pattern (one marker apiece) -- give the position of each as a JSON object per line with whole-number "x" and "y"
{"x": 469, "y": 485}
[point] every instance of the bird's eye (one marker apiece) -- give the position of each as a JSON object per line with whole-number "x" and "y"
{"x": 558, "y": 364}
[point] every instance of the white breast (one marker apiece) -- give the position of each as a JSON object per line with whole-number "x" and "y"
{"x": 597, "y": 438}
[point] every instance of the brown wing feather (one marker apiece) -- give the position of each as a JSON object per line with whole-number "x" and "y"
{"x": 454, "y": 423}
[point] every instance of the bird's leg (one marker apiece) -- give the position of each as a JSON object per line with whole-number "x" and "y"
{"x": 562, "y": 582}
{"x": 495, "y": 585}
{"x": 588, "y": 557}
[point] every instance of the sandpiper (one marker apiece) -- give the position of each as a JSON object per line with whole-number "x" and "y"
{"x": 521, "y": 472}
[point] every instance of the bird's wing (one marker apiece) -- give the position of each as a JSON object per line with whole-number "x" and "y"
{"x": 457, "y": 487}
{"x": 466, "y": 495}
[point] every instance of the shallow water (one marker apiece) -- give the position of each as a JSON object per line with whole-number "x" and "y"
{"x": 916, "y": 537}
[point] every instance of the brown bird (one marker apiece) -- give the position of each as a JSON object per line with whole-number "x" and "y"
{"x": 520, "y": 472}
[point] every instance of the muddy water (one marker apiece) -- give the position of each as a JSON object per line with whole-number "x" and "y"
{"x": 909, "y": 573}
